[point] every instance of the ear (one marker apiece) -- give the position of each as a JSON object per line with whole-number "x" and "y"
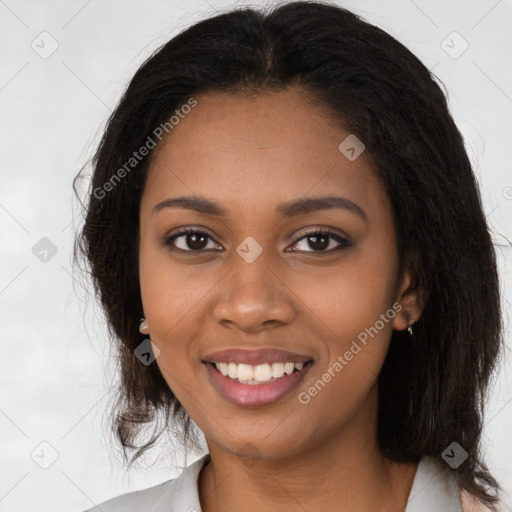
{"x": 412, "y": 300}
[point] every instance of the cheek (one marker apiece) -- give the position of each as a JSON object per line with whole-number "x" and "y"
{"x": 169, "y": 291}
{"x": 169, "y": 297}
{"x": 353, "y": 315}
{"x": 351, "y": 296}
{"x": 169, "y": 302}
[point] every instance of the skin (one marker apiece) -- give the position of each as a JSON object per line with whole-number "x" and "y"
{"x": 250, "y": 153}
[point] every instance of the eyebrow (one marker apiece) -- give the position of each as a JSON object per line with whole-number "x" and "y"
{"x": 291, "y": 208}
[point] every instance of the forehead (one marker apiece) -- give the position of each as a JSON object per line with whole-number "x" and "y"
{"x": 266, "y": 147}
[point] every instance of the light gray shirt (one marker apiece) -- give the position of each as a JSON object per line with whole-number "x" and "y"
{"x": 433, "y": 488}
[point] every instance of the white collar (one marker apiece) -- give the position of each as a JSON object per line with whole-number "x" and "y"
{"x": 434, "y": 488}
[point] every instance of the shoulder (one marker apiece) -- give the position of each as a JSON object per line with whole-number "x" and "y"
{"x": 178, "y": 494}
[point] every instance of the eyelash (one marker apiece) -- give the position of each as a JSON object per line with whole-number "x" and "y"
{"x": 344, "y": 242}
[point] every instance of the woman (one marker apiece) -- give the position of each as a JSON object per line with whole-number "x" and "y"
{"x": 287, "y": 239}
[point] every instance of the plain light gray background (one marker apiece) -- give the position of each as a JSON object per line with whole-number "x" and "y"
{"x": 55, "y": 364}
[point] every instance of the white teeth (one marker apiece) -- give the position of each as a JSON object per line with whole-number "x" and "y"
{"x": 223, "y": 368}
{"x": 245, "y": 372}
{"x": 232, "y": 370}
{"x": 262, "y": 372}
{"x": 277, "y": 370}
{"x": 288, "y": 368}
{"x": 248, "y": 374}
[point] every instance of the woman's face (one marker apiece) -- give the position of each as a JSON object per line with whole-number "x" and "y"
{"x": 256, "y": 287}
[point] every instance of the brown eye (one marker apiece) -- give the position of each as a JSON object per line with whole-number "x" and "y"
{"x": 190, "y": 240}
{"x": 322, "y": 241}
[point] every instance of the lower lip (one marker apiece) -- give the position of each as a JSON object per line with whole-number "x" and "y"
{"x": 255, "y": 395}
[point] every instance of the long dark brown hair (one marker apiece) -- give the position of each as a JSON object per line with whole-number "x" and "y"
{"x": 432, "y": 387}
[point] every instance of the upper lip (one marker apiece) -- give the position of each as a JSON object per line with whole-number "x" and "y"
{"x": 255, "y": 356}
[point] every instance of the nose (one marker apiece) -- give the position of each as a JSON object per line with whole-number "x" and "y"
{"x": 253, "y": 297}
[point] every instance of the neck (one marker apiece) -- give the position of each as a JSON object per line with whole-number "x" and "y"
{"x": 346, "y": 473}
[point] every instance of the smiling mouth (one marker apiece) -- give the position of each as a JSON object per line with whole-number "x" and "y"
{"x": 256, "y": 377}
{"x": 256, "y": 385}
{"x": 265, "y": 373}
